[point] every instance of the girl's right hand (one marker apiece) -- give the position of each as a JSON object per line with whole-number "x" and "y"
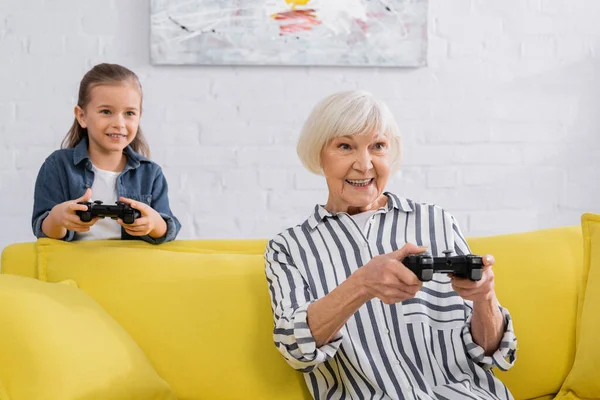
{"x": 64, "y": 214}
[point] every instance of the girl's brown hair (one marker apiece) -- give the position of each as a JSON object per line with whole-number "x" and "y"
{"x": 104, "y": 74}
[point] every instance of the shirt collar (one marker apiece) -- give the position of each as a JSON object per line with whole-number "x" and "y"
{"x": 81, "y": 152}
{"x": 394, "y": 202}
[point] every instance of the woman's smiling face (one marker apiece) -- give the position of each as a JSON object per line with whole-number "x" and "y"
{"x": 356, "y": 168}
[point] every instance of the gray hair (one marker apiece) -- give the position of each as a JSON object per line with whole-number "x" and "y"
{"x": 344, "y": 114}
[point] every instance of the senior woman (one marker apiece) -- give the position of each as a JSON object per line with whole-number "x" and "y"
{"x": 347, "y": 312}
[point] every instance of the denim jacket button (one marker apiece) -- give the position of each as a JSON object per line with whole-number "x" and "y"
{"x": 148, "y": 199}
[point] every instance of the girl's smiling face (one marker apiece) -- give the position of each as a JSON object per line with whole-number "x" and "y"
{"x": 111, "y": 117}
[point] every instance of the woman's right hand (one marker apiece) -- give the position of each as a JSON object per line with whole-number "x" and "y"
{"x": 386, "y": 278}
{"x": 65, "y": 216}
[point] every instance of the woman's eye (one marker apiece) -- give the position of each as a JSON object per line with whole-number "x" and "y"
{"x": 380, "y": 145}
{"x": 344, "y": 146}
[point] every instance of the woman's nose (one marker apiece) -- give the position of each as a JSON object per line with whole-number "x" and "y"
{"x": 363, "y": 162}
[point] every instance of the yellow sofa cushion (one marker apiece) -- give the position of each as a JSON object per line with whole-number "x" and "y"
{"x": 204, "y": 320}
{"x": 58, "y": 343}
{"x": 538, "y": 279}
{"x": 583, "y": 381}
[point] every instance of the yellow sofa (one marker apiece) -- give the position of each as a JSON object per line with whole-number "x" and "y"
{"x": 199, "y": 309}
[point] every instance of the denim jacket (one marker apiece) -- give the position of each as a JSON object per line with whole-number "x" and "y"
{"x": 67, "y": 173}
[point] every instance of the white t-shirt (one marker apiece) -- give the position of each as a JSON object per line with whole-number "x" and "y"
{"x": 104, "y": 189}
{"x": 361, "y": 219}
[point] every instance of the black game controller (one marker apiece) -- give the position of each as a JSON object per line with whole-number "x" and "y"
{"x": 97, "y": 209}
{"x": 424, "y": 266}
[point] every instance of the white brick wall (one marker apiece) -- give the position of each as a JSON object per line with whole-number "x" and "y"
{"x": 501, "y": 128}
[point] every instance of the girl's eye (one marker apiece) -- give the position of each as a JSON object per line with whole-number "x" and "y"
{"x": 105, "y": 112}
{"x": 130, "y": 113}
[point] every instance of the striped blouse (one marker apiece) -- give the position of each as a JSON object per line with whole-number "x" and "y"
{"x": 421, "y": 348}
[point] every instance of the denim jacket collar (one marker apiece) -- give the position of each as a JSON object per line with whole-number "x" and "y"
{"x": 133, "y": 159}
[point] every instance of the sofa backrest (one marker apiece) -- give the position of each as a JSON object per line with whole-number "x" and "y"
{"x": 21, "y": 258}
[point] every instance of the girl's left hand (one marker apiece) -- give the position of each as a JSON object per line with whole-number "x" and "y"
{"x": 149, "y": 223}
{"x": 479, "y": 291}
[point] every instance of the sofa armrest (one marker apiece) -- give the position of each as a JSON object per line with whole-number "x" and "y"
{"x": 19, "y": 259}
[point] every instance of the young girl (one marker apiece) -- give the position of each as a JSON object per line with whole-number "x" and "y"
{"x": 104, "y": 157}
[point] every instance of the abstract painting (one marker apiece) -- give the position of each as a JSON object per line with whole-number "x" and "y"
{"x": 289, "y": 32}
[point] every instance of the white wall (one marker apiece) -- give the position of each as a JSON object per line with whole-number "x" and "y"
{"x": 502, "y": 128}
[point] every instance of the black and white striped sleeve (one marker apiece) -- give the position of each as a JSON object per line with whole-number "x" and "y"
{"x": 503, "y": 358}
{"x": 290, "y": 298}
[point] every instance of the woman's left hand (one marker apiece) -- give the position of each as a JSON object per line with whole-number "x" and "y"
{"x": 480, "y": 291}
{"x": 149, "y": 223}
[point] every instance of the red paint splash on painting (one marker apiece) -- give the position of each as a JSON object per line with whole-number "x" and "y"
{"x": 296, "y": 21}
{"x": 364, "y": 27}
